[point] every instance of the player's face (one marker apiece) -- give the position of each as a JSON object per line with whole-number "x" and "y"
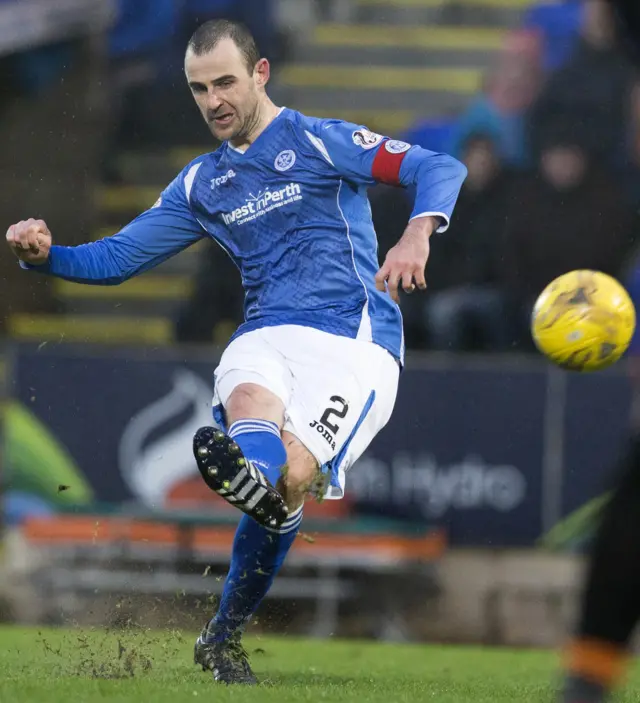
{"x": 227, "y": 94}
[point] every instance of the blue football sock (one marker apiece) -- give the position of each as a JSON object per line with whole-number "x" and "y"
{"x": 258, "y": 553}
{"x": 261, "y": 444}
{"x": 257, "y": 557}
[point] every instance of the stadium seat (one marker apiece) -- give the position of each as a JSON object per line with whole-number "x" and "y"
{"x": 83, "y": 554}
{"x": 99, "y": 329}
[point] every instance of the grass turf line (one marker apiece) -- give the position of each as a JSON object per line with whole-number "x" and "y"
{"x": 64, "y": 666}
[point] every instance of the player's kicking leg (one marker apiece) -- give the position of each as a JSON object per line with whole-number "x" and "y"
{"x": 259, "y": 549}
{"x": 234, "y": 477}
{"x": 610, "y": 611}
{"x": 300, "y": 398}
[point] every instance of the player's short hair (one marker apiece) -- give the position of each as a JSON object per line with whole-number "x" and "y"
{"x": 207, "y": 36}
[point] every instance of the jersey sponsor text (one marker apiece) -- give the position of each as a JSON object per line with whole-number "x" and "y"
{"x": 263, "y": 202}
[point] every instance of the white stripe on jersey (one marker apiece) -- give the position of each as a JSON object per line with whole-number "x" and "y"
{"x": 365, "y": 332}
{"x": 319, "y": 145}
{"x": 190, "y": 178}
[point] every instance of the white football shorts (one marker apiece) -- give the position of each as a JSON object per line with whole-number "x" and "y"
{"x": 338, "y": 392}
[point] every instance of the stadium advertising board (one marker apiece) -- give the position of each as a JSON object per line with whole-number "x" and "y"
{"x": 479, "y": 448}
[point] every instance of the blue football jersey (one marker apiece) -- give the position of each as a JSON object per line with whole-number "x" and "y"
{"x": 292, "y": 213}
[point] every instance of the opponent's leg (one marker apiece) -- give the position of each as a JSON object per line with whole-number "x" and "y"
{"x": 243, "y": 465}
{"x": 595, "y": 660}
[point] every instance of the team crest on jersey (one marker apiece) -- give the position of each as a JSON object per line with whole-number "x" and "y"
{"x": 393, "y": 146}
{"x": 366, "y": 139}
{"x": 285, "y": 160}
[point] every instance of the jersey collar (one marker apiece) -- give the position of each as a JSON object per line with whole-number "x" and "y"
{"x": 256, "y": 147}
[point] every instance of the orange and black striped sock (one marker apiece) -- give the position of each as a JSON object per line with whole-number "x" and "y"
{"x": 593, "y": 667}
{"x": 610, "y": 609}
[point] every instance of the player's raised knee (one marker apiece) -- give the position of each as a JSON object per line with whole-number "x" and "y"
{"x": 252, "y": 401}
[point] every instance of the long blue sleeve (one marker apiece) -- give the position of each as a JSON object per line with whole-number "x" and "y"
{"x": 437, "y": 178}
{"x": 365, "y": 158}
{"x": 154, "y": 236}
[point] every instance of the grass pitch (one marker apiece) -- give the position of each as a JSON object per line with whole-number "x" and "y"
{"x": 65, "y": 666}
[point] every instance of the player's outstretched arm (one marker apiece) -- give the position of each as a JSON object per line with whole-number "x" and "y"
{"x": 143, "y": 244}
{"x": 154, "y": 236}
{"x": 437, "y": 179}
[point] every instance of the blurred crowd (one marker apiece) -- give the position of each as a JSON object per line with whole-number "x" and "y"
{"x": 552, "y": 147}
{"x": 144, "y": 54}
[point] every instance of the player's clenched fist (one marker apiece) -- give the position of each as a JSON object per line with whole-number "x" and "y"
{"x": 406, "y": 261}
{"x": 30, "y": 241}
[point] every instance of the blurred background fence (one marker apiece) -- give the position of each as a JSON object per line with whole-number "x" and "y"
{"x": 467, "y": 518}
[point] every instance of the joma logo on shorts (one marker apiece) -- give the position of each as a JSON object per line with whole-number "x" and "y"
{"x": 324, "y": 432}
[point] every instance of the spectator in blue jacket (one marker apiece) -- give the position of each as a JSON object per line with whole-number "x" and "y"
{"x": 511, "y": 87}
